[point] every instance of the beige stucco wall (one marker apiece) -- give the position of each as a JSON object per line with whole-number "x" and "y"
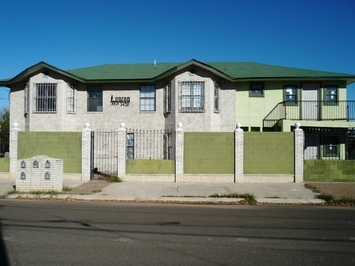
{"x": 113, "y": 115}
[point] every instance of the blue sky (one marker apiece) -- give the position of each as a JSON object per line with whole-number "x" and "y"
{"x": 313, "y": 34}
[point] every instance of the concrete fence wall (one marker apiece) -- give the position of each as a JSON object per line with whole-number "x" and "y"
{"x": 199, "y": 156}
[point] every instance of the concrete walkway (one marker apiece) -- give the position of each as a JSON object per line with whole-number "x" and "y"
{"x": 129, "y": 191}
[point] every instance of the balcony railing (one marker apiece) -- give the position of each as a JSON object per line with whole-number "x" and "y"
{"x": 311, "y": 111}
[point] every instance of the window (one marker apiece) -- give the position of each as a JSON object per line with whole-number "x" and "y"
{"x": 256, "y": 90}
{"x": 167, "y": 98}
{"x": 71, "y": 99}
{"x": 192, "y": 96}
{"x": 94, "y": 98}
{"x": 216, "y": 98}
{"x": 331, "y": 94}
{"x": 147, "y": 98}
{"x": 45, "y": 97}
{"x": 290, "y": 94}
{"x": 26, "y": 99}
{"x": 130, "y": 145}
{"x": 330, "y": 146}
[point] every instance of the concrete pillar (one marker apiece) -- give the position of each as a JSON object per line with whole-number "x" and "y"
{"x": 239, "y": 154}
{"x": 13, "y": 150}
{"x": 179, "y": 153}
{"x": 299, "y": 139}
{"x": 122, "y": 135}
{"x": 86, "y": 153}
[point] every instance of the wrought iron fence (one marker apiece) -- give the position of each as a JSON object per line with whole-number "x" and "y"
{"x": 150, "y": 144}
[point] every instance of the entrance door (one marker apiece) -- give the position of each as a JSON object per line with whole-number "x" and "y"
{"x": 310, "y": 110}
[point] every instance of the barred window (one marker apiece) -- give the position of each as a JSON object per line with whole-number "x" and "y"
{"x": 192, "y": 96}
{"x": 167, "y": 98}
{"x": 147, "y": 98}
{"x": 26, "y": 99}
{"x": 45, "y": 99}
{"x": 331, "y": 94}
{"x": 216, "y": 98}
{"x": 71, "y": 108}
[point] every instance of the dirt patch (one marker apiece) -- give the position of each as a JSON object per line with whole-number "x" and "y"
{"x": 90, "y": 187}
{"x": 336, "y": 190}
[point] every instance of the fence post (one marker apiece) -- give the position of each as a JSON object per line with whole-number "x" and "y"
{"x": 299, "y": 139}
{"x": 86, "y": 153}
{"x": 239, "y": 154}
{"x": 179, "y": 153}
{"x": 121, "y": 163}
{"x": 13, "y": 150}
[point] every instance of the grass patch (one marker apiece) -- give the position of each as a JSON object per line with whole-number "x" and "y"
{"x": 115, "y": 179}
{"x": 67, "y": 189}
{"x": 35, "y": 192}
{"x": 341, "y": 201}
{"x": 250, "y": 198}
{"x": 97, "y": 190}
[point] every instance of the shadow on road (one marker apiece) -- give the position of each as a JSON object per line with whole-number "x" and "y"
{"x": 3, "y": 253}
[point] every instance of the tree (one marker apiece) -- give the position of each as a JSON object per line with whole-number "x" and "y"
{"x": 4, "y": 130}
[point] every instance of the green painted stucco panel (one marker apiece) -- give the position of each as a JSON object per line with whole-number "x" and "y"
{"x": 329, "y": 171}
{"x": 4, "y": 164}
{"x": 61, "y": 145}
{"x": 209, "y": 153}
{"x": 269, "y": 153}
{"x": 138, "y": 166}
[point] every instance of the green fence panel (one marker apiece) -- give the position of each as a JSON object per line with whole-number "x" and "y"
{"x": 61, "y": 145}
{"x": 269, "y": 153}
{"x": 209, "y": 153}
{"x": 4, "y": 164}
{"x": 329, "y": 171}
{"x": 139, "y": 166}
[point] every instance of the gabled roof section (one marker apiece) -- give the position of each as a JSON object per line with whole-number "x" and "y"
{"x": 256, "y": 71}
{"x": 37, "y": 68}
{"x": 233, "y": 71}
{"x": 123, "y": 72}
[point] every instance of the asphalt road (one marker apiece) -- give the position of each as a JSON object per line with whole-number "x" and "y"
{"x": 109, "y": 233}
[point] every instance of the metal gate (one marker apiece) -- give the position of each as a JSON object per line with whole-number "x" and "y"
{"x": 104, "y": 153}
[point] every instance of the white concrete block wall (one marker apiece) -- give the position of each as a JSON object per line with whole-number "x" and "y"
{"x": 35, "y": 178}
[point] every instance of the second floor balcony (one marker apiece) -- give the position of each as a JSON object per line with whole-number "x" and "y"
{"x": 311, "y": 111}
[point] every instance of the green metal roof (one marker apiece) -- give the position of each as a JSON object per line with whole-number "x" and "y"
{"x": 233, "y": 71}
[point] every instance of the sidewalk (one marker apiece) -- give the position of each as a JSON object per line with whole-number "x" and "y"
{"x": 178, "y": 192}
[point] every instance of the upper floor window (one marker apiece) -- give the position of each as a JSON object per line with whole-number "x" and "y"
{"x": 192, "y": 96}
{"x": 167, "y": 98}
{"x": 94, "y": 93}
{"x": 256, "y": 89}
{"x": 45, "y": 98}
{"x": 331, "y": 94}
{"x": 290, "y": 94}
{"x": 71, "y": 97}
{"x": 216, "y": 98}
{"x": 147, "y": 98}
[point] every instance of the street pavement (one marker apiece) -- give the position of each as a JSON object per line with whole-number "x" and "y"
{"x": 292, "y": 193}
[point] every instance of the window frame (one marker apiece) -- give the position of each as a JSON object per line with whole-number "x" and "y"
{"x": 94, "y": 90}
{"x": 45, "y": 97}
{"x": 252, "y": 89}
{"x": 71, "y": 99}
{"x": 195, "y": 101}
{"x": 295, "y": 95}
{"x": 326, "y": 94}
{"x": 167, "y": 99}
{"x": 216, "y": 105}
{"x": 146, "y": 100}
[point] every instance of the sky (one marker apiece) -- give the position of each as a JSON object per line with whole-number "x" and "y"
{"x": 69, "y": 34}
